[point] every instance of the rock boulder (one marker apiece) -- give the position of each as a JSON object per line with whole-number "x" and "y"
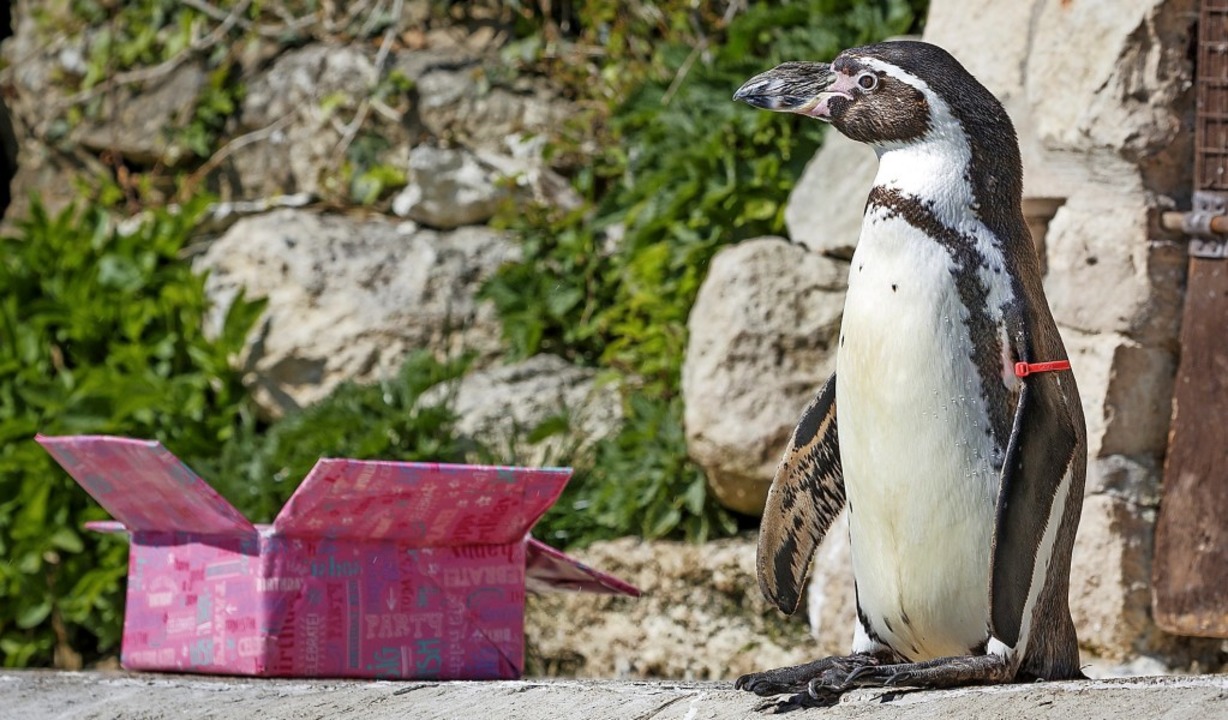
{"x": 501, "y": 407}
{"x": 140, "y": 126}
{"x": 825, "y": 207}
{"x": 762, "y": 335}
{"x": 349, "y": 298}
{"x": 701, "y": 617}
{"x": 295, "y": 113}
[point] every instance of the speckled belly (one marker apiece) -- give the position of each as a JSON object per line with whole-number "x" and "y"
{"x": 916, "y": 448}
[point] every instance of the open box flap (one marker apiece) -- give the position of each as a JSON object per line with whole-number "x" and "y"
{"x": 144, "y": 486}
{"x": 551, "y": 570}
{"x": 423, "y": 504}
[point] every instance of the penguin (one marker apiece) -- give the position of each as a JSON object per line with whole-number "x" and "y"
{"x": 960, "y": 447}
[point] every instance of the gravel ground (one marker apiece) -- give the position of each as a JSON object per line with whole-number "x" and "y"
{"x": 46, "y": 694}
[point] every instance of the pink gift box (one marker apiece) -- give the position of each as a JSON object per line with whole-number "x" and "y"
{"x": 372, "y": 569}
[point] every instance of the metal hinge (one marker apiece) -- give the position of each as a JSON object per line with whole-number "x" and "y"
{"x": 1206, "y": 225}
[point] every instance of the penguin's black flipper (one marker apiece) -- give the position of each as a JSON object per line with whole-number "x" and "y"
{"x": 1042, "y": 447}
{"x": 806, "y": 496}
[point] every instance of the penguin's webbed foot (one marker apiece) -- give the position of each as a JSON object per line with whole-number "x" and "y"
{"x": 933, "y": 674}
{"x": 822, "y": 682}
{"x": 822, "y": 679}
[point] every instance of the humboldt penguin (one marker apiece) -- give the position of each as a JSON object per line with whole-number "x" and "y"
{"x": 959, "y": 447}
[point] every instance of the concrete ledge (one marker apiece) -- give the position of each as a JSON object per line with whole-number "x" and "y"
{"x": 64, "y": 695}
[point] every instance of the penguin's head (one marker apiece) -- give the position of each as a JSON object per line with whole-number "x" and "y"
{"x": 887, "y": 94}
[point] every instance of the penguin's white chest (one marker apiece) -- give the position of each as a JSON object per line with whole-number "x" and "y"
{"x": 915, "y": 445}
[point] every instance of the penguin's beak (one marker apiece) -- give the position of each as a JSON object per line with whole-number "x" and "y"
{"x": 805, "y": 88}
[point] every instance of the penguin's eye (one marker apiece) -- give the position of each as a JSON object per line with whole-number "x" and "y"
{"x": 867, "y": 81}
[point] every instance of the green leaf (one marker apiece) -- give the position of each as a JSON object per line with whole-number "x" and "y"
{"x": 99, "y": 333}
{"x": 696, "y": 495}
{"x": 66, "y": 539}
{"x": 32, "y": 615}
{"x": 562, "y": 300}
{"x": 550, "y": 427}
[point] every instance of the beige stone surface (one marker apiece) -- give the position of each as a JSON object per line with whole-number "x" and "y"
{"x": 1105, "y": 275}
{"x": 141, "y": 126}
{"x": 451, "y": 187}
{"x": 72, "y": 696}
{"x": 298, "y": 109}
{"x": 762, "y": 334}
{"x": 701, "y": 617}
{"x": 1110, "y": 576}
{"x": 501, "y": 407}
{"x": 831, "y": 600}
{"x": 1126, "y": 389}
{"x": 1120, "y": 88}
{"x": 825, "y": 207}
{"x": 447, "y": 188}
{"x": 350, "y": 298}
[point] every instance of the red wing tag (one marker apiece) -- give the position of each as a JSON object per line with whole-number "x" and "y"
{"x": 1023, "y": 369}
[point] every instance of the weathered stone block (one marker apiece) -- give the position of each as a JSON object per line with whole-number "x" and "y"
{"x": 701, "y": 617}
{"x": 349, "y": 298}
{"x": 1118, "y": 91}
{"x": 1110, "y": 576}
{"x": 762, "y": 335}
{"x": 458, "y": 103}
{"x": 500, "y": 407}
{"x": 825, "y": 207}
{"x": 140, "y": 126}
{"x": 1126, "y": 390}
{"x": 1104, "y": 275}
{"x": 301, "y": 104}
{"x": 831, "y": 600}
{"x": 989, "y": 38}
{"x": 450, "y": 187}
{"x": 447, "y": 188}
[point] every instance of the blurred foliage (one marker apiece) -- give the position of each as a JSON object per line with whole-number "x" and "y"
{"x": 114, "y": 46}
{"x": 143, "y": 34}
{"x": 258, "y": 470}
{"x": 637, "y": 482}
{"x": 100, "y": 332}
{"x": 681, "y": 171}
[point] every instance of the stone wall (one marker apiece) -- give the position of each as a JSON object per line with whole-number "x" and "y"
{"x": 353, "y": 285}
{"x": 1101, "y": 94}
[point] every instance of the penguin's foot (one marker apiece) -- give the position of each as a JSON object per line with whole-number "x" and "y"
{"x": 932, "y": 674}
{"x": 827, "y": 679}
{"x": 822, "y": 679}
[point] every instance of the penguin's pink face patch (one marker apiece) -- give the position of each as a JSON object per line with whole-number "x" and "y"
{"x": 830, "y": 102}
{"x": 867, "y": 100}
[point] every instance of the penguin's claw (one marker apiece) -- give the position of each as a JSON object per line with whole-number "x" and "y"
{"x": 877, "y": 676}
{"x": 851, "y": 680}
{"x": 822, "y": 679}
{"x": 819, "y": 691}
{"x": 779, "y": 681}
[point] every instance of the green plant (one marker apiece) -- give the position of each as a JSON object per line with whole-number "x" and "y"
{"x": 100, "y": 332}
{"x": 258, "y": 471}
{"x": 684, "y": 171}
{"x": 554, "y": 300}
{"x": 637, "y": 482}
{"x": 216, "y": 104}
